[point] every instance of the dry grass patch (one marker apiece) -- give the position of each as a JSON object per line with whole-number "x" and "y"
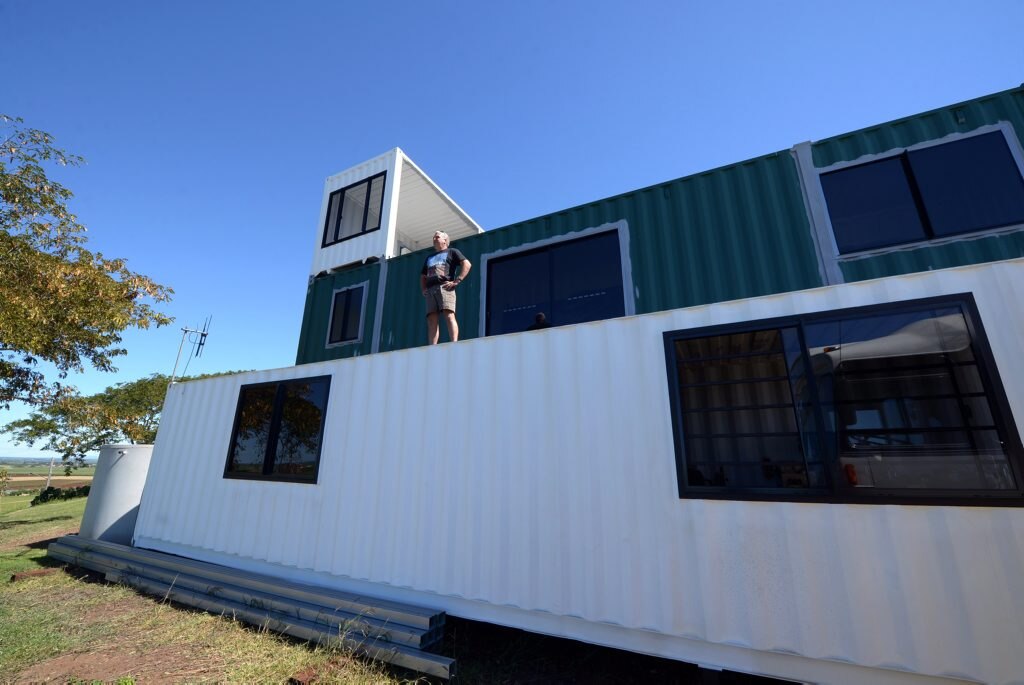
{"x": 66, "y": 627}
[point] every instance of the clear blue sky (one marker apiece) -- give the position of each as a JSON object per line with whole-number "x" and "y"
{"x": 209, "y": 127}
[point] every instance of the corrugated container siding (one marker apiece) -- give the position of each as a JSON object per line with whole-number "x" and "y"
{"x": 1007, "y": 106}
{"x": 739, "y": 231}
{"x": 730, "y": 233}
{"x": 544, "y": 485}
{"x": 977, "y": 251}
{"x": 317, "y": 315}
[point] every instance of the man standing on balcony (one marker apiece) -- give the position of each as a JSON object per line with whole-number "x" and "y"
{"x": 438, "y": 285}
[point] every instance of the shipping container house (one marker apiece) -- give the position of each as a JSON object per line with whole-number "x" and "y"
{"x": 773, "y": 428}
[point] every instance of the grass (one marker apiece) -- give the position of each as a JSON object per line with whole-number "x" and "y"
{"x": 72, "y": 627}
{"x": 71, "y": 620}
{"x": 23, "y": 527}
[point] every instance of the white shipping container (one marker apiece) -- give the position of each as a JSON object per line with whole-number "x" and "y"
{"x": 530, "y": 480}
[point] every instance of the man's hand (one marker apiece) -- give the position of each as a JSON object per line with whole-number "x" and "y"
{"x": 449, "y": 285}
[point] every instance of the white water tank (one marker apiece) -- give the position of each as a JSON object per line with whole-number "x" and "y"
{"x": 115, "y": 494}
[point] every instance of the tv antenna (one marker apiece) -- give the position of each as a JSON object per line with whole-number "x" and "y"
{"x": 197, "y": 338}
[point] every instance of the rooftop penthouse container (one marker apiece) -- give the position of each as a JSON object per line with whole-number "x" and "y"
{"x": 773, "y": 428}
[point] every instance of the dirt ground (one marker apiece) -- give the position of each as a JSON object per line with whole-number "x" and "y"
{"x": 36, "y": 482}
{"x": 159, "y": 665}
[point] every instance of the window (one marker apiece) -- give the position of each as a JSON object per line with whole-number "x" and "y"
{"x": 568, "y": 282}
{"x": 893, "y": 402}
{"x": 354, "y": 210}
{"x": 969, "y": 185}
{"x": 278, "y": 430}
{"x": 346, "y": 316}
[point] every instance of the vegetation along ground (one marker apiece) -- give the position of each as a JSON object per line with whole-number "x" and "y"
{"x": 65, "y": 625}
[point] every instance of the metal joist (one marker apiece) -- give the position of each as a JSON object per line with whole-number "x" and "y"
{"x": 367, "y": 626}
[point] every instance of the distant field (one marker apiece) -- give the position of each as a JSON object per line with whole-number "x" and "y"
{"x": 36, "y": 482}
{"x": 40, "y": 469}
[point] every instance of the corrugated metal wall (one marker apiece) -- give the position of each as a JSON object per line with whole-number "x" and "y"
{"x": 729, "y": 233}
{"x": 370, "y": 244}
{"x": 544, "y": 486}
{"x": 317, "y": 315}
{"x": 739, "y": 231}
{"x": 959, "y": 118}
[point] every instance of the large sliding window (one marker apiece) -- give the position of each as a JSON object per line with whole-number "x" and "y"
{"x": 278, "y": 430}
{"x": 895, "y": 402}
{"x": 567, "y": 282}
{"x": 354, "y": 210}
{"x": 969, "y": 185}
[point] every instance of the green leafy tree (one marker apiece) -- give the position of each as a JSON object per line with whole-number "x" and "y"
{"x": 75, "y": 426}
{"x": 59, "y": 302}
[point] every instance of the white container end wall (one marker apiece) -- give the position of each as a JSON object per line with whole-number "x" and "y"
{"x": 530, "y": 480}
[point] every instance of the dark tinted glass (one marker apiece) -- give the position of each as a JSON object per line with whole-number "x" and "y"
{"x": 298, "y": 439}
{"x": 586, "y": 280}
{"x": 969, "y": 185}
{"x": 376, "y": 201}
{"x": 740, "y": 424}
{"x": 570, "y": 282}
{"x": 348, "y": 305}
{"x": 252, "y": 433}
{"x": 518, "y": 288}
{"x": 871, "y": 205}
{"x": 333, "y": 207}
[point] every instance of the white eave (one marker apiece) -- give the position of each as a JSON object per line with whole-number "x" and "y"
{"x": 424, "y": 208}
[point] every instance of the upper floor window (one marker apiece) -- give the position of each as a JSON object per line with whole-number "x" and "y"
{"x": 965, "y": 186}
{"x": 278, "y": 430}
{"x": 559, "y": 284}
{"x": 891, "y": 402}
{"x": 354, "y": 210}
{"x": 347, "y": 316}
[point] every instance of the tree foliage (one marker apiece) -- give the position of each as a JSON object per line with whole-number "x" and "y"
{"x": 77, "y": 425}
{"x": 59, "y": 302}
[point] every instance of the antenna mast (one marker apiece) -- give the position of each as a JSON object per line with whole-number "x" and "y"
{"x": 195, "y": 336}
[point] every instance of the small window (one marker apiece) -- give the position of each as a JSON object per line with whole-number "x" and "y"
{"x": 278, "y": 430}
{"x": 346, "y": 316}
{"x": 568, "y": 282}
{"x": 354, "y": 210}
{"x": 969, "y": 185}
{"x": 894, "y": 402}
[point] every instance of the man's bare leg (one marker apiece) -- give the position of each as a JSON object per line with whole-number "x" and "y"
{"x": 432, "y": 329}
{"x": 453, "y": 326}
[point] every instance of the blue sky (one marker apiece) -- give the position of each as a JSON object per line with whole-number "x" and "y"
{"x": 209, "y": 127}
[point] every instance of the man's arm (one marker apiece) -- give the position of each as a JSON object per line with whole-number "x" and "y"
{"x": 423, "y": 285}
{"x": 464, "y": 268}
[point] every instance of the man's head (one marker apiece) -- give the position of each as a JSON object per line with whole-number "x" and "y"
{"x": 440, "y": 240}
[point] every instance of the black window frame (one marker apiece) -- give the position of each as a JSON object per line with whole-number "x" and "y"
{"x": 330, "y": 231}
{"x": 903, "y": 156}
{"x": 274, "y": 431}
{"x": 364, "y": 286}
{"x": 833, "y": 493}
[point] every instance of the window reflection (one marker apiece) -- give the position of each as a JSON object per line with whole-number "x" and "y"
{"x": 298, "y": 439}
{"x": 256, "y": 405}
{"x": 894, "y": 400}
{"x": 903, "y": 404}
{"x": 278, "y": 430}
